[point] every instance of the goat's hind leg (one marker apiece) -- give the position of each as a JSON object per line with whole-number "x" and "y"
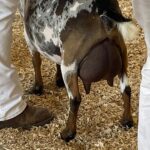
{"x": 58, "y": 76}
{"x": 38, "y": 83}
{"x": 71, "y": 82}
{"x": 36, "y": 61}
{"x": 127, "y": 120}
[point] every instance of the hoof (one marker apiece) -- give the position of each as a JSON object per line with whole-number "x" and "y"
{"x": 60, "y": 83}
{"x": 127, "y": 124}
{"x": 67, "y": 135}
{"x": 37, "y": 90}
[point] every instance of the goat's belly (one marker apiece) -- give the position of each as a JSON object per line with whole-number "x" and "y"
{"x": 49, "y": 50}
{"x": 41, "y": 42}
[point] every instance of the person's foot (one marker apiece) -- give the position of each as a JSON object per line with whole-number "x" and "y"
{"x": 31, "y": 116}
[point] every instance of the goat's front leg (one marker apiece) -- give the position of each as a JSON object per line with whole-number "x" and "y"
{"x": 70, "y": 77}
{"x": 127, "y": 120}
{"x": 38, "y": 84}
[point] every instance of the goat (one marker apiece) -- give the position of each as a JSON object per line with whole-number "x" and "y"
{"x": 86, "y": 39}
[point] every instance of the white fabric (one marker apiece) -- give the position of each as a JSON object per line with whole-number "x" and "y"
{"x": 142, "y": 14}
{"x": 11, "y": 103}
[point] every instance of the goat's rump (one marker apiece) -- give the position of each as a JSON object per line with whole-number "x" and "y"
{"x": 102, "y": 62}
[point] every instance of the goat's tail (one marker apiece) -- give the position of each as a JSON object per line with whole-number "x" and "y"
{"x": 127, "y": 27}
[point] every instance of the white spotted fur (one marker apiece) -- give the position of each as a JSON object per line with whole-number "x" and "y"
{"x": 75, "y": 6}
{"x": 123, "y": 83}
{"x": 66, "y": 70}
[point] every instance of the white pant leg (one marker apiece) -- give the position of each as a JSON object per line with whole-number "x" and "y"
{"x": 11, "y": 103}
{"x": 142, "y": 14}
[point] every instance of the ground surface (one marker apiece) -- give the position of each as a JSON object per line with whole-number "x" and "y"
{"x": 100, "y": 111}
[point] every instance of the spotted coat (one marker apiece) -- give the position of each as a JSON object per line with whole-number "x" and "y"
{"x": 86, "y": 38}
{"x": 46, "y": 19}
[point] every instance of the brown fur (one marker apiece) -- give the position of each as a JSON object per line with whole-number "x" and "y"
{"x": 82, "y": 37}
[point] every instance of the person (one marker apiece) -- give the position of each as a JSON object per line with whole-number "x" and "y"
{"x": 14, "y": 111}
{"x": 142, "y": 14}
